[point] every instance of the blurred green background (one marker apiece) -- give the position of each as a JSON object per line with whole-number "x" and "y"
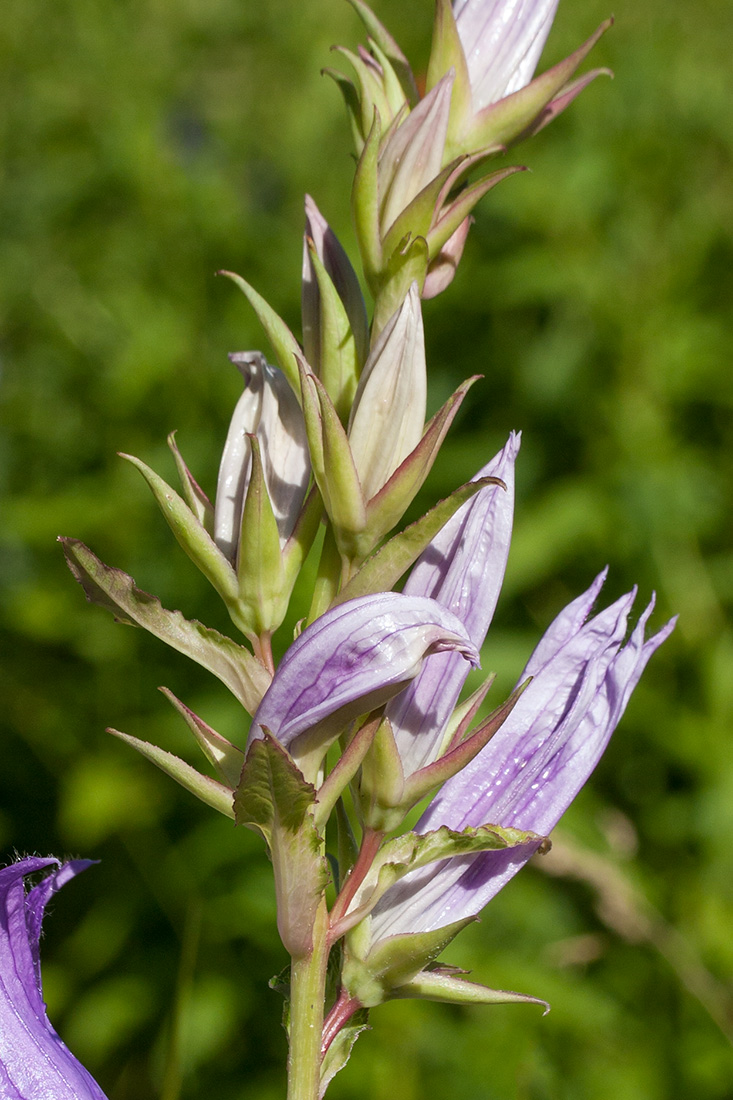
{"x": 148, "y": 143}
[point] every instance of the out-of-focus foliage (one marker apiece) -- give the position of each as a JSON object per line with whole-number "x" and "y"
{"x": 147, "y": 144}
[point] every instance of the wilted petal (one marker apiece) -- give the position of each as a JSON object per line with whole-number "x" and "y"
{"x": 534, "y": 766}
{"x": 388, "y": 415}
{"x": 352, "y": 659}
{"x": 268, "y": 409}
{"x": 34, "y": 1062}
{"x": 502, "y": 41}
{"x": 463, "y": 569}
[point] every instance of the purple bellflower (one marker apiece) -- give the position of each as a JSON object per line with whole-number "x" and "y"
{"x": 534, "y": 766}
{"x": 34, "y": 1062}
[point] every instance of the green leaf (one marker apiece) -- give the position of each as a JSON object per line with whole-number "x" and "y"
{"x": 275, "y": 800}
{"x": 191, "y": 535}
{"x": 117, "y": 592}
{"x": 210, "y": 791}
{"x": 340, "y": 1049}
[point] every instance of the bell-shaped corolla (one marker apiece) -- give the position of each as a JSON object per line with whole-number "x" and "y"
{"x": 35, "y": 1064}
{"x": 269, "y": 410}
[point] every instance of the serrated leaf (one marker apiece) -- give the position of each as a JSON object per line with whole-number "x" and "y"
{"x": 117, "y": 592}
{"x": 208, "y": 790}
{"x": 275, "y": 800}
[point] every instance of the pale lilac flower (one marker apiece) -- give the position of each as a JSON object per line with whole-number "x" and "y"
{"x": 502, "y": 41}
{"x": 351, "y": 660}
{"x": 34, "y": 1062}
{"x": 269, "y": 410}
{"x": 534, "y": 766}
{"x": 463, "y": 569}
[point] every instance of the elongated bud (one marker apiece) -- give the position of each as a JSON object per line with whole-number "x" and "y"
{"x": 269, "y": 410}
{"x": 388, "y": 416}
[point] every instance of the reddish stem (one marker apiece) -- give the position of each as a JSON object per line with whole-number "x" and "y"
{"x": 340, "y": 1014}
{"x": 369, "y": 847}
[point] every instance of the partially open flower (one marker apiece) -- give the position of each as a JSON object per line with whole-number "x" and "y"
{"x": 35, "y": 1064}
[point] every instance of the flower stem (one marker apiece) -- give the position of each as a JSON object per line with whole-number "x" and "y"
{"x": 307, "y": 995}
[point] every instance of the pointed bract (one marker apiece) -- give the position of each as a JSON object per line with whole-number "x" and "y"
{"x": 34, "y": 1062}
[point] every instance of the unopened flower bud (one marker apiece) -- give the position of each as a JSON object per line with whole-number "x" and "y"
{"x": 388, "y": 416}
{"x": 269, "y": 410}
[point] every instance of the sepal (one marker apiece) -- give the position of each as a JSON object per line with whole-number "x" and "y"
{"x": 389, "y": 48}
{"x": 286, "y": 347}
{"x": 384, "y": 568}
{"x": 263, "y": 597}
{"x": 516, "y": 115}
{"x": 191, "y": 535}
{"x": 445, "y": 983}
{"x": 374, "y": 976}
{"x": 411, "y": 851}
{"x": 225, "y": 758}
{"x": 194, "y": 495}
{"x": 211, "y": 791}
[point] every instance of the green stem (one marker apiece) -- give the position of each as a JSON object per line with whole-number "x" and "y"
{"x": 307, "y": 996}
